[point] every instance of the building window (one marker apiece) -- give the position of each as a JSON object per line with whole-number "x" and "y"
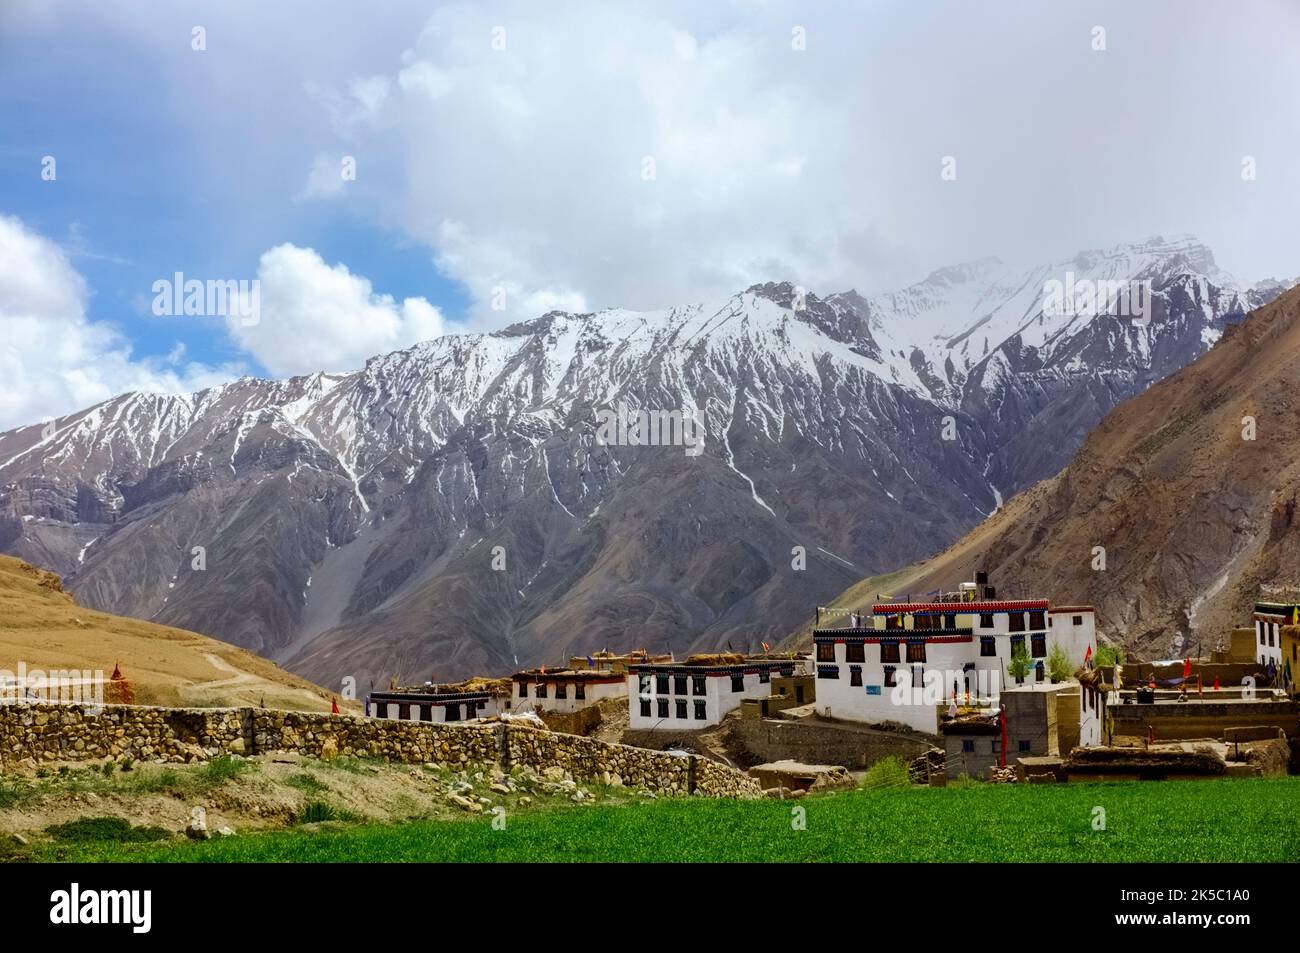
{"x": 523, "y": 689}
{"x": 968, "y": 745}
{"x": 1038, "y": 646}
{"x": 540, "y": 691}
{"x": 889, "y": 652}
{"x": 986, "y": 620}
{"x": 561, "y": 690}
{"x": 1272, "y": 630}
{"x": 452, "y": 713}
{"x": 661, "y": 684}
{"x": 893, "y": 622}
{"x": 855, "y": 675}
{"x": 1259, "y": 627}
{"x": 826, "y": 651}
{"x": 643, "y": 683}
{"x": 1017, "y": 642}
{"x": 916, "y": 651}
{"x": 828, "y": 671}
{"x": 679, "y": 684}
{"x": 697, "y": 684}
{"x": 889, "y": 676}
{"x": 1016, "y": 621}
{"x": 661, "y": 707}
{"x": 580, "y": 691}
{"x": 988, "y": 647}
{"x": 426, "y": 713}
{"x": 764, "y": 675}
{"x": 699, "y": 711}
{"x": 681, "y": 708}
{"x": 403, "y": 711}
{"x": 645, "y": 708}
{"x": 1036, "y": 620}
{"x": 855, "y": 652}
{"x": 738, "y": 682}
{"x": 1078, "y": 620}
{"x": 1024, "y": 745}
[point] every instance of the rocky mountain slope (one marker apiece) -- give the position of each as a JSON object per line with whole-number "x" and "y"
{"x": 451, "y": 508}
{"x": 1194, "y": 509}
{"x": 42, "y": 627}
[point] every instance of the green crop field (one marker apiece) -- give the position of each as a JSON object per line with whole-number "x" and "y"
{"x": 1223, "y": 820}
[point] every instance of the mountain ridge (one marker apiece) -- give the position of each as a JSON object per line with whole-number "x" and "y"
{"x": 349, "y": 523}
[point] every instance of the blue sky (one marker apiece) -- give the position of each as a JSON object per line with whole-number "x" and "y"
{"x": 518, "y": 165}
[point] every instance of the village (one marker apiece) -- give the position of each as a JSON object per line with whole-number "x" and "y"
{"x": 961, "y": 684}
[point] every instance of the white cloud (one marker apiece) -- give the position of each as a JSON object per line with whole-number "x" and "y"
{"x": 53, "y": 360}
{"x": 521, "y": 167}
{"x": 320, "y": 317}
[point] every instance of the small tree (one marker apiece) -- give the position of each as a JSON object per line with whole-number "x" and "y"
{"x": 1108, "y": 655}
{"x": 1020, "y": 664}
{"x": 1059, "y": 668}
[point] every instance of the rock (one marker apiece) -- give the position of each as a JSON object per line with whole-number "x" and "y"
{"x": 226, "y": 831}
{"x": 465, "y": 803}
{"x": 329, "y": 749}
{"x": 500, "y": 788}
{"x": 20, "y": 840}
{"x": 197, "y": 828}
{"x": 525, "y": 801}
{"x": 553, "y": 772}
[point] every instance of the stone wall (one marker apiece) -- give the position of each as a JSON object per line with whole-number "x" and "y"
{"x": 815, "y": 741}
{"x": 54, "y": 733}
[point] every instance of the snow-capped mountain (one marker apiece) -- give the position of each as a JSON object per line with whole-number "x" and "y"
{"x": 456, "y": 507}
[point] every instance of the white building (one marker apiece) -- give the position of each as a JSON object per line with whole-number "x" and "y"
{"x": 564, "y": 690}
{"x": 1269, "y": 617}
{"x": 906, "y": 659}
{"x": 697, "y": 693}
{"x": 433, "y": 706}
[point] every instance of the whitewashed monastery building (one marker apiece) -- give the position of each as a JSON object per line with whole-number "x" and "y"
{"x": 904, "y": 660}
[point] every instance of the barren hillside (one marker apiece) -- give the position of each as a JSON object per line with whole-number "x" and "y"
{"x": 43, "y": 627}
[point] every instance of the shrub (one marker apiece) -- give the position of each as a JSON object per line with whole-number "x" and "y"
{"x": 224, "y": 768}
{"x": 307, "y": 782}
{"x": 1107, "y": 655}
{"x": 316, "y": 812}
{"x": 1059, "y": 668}
{"x": 890, "y": 772}
{"x": 1021, "y": 664}
{"x": 115, "y": 829}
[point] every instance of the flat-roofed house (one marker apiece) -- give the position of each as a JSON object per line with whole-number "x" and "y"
{"x": 697, "y": 693}
{"x": 902, "y": 660}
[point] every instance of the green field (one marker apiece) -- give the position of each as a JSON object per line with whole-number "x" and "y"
{"x": 1224, "y": 820}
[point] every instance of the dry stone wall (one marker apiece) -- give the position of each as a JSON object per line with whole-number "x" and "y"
{"x": 55, "y": 733}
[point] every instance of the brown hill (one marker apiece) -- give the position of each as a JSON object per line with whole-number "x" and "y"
{"x": 43, "y": 627}
{"x": 1193, "y": 516}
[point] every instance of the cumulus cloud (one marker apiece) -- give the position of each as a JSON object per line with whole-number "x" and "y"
{"x": 53, "y": 360}
{"x": 316, "y": 316}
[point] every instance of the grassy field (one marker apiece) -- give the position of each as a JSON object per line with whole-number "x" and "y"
{"x": 1225, "y": 820}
